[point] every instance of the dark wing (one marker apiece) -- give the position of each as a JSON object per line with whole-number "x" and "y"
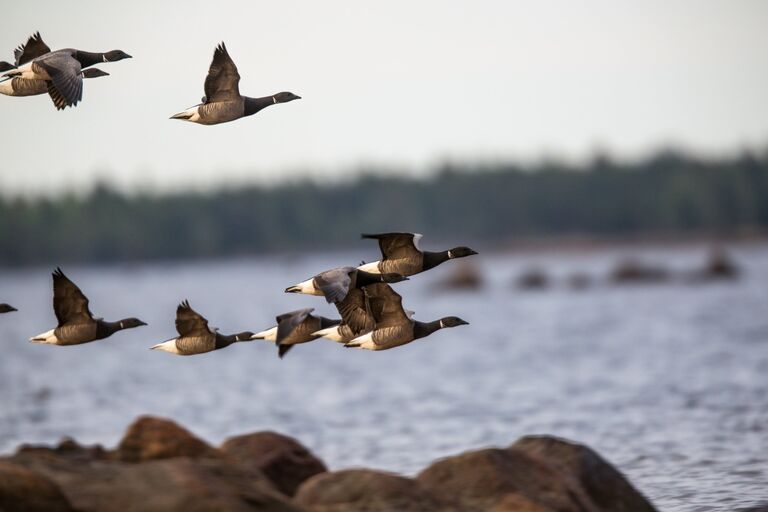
{"x": 189, "y": 322}
{"x": 386, "y": 305}
{"x": 66, "y": 84}
{"x": 335, "y": 283}
{"x": 395, "y": 246}
{"x": 355, "y": 312}
{"x": 287, "y": 322}
{"x": 34, "y": 48}
{"x": 69, "y": 303}
{"x": 222, "y": 81}
{"x": 6, "y": 66}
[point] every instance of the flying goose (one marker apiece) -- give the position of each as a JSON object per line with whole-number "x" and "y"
{"x": 7, "y": 308}
{"x": 336, "y": 283}
{"x": 356, "y": 318}
{"x": 18, "y": 86}
{"x": 393, "y": 327}
{"x": 294, "y": 328}
{"x": 76, "y": 322}
{"x": 195, "y": 337}
{"x": 400, "y": 253}
{"x": 60, "y": 69}
{"x": 222, "y": 101}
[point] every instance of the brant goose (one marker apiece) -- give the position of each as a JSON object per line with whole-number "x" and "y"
{"x": 336, "y": 283}
{"x": 294, "y": 328}
{"x": 60, "y": 69}
{"x": 222, "y": 101}
{"x": 356, "y": 318}
{"x": 195, "y": 337}
{"x": 18, "y": 86}
{"x": 393, "y": 326}
{"x": 76, "y": 322}
{"x": 401, "y": 254}
{"x": 7, "y": 308}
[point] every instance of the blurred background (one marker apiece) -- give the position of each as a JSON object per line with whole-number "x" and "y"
{"x": 609, "y": 160}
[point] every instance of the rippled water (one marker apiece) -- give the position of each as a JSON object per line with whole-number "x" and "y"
{"x": 669, "y": 382}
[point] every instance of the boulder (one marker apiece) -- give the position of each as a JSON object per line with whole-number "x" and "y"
{"x": 67, "y": 448}
{"x": 285, "y": 461}
{"x": 23, "y": 490}
{"x": 150, "y": 438}
{"x": 608, "y": 489}
{"x": 503, "y": 480}
{"x": 356, "y": 490}
{"x": 180, "y": 484}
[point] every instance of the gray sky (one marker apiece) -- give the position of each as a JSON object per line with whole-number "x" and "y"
{"x": 395, "y": 83}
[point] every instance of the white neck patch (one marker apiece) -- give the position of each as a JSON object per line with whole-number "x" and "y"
{"x": 274, "y": 100}
{"x": 121, "y": 325}
{"x": 450, "y": 255}
{"x": 441, "y": 324}
{"x": 104, "y": 58}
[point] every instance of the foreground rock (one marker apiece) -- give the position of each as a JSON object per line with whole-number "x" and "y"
{"x": 282, "y": 459}
{"x": 160, "y": 466}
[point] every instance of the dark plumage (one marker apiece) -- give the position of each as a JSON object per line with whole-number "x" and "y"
{"x": 294, "y": 328}
{"x": 7, "y": 308}
{"x": 18, "y": 86}
{"x": 401, "y": 254}
{"x": 336, "y": 283}
{"x": 393, "y": 326}
{"x": 60, "y": 70}
{"x": 222, "y": 101}
{"x": 195, "y": 337}
{"x": 76, "y": 322}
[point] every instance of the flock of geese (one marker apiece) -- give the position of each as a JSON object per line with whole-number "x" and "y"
{"x": 372, "y": 314}
{"x": 38, "y": 70}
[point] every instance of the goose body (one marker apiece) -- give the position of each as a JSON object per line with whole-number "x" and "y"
{"x": 401, "y": 254}
{"x": 18, "y": 86}
{"x": 294, "y": 328}
{"x": 336, "y": 283}
{"x": 195, "y": 337}
{"x": 394, "y": 327}
{"x": 223, "y": 102}
{"x": 76, "y": 322}
{"x": 61, "y": 71}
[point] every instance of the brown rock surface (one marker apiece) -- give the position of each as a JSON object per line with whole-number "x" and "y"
{"x": 23, "y": 490}
{"x": 605, "y": 485}
{"x": 150, "y": 438}
{"x": 285, "y": 461}
{"x": 356, "y": 490}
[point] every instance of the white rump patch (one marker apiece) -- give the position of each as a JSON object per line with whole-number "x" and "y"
{"x": 47, "y": 337}
{"x": 416, "y": 238}
{"x": 269, "y": 335}
{"x": 331, "y": 333}
{"x": 167, "y": 346}
{"x": 372, "y": 268}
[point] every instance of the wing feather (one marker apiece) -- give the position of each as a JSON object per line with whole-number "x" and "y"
{"x": 69, "y": 303}
{"x": 190, "y": 323}
{"x": 222, "y": 82}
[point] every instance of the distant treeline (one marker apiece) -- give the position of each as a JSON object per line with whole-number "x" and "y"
{"x": 669, "y": 193}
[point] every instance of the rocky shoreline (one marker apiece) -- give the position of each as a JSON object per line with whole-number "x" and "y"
{"x": 160, "y": 466}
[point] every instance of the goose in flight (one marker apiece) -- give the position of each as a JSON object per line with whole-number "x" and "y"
{"x": 195, "y": 337}
{"x": 294, "y": 328}
{"x": 393, "y": 326}
{"x": 222, "y": 101}
{"x": 336, "y": 283}
{"x": 60, "y": 70}
{"x": 76, "y": 322}
{"x": 401, "y": 254}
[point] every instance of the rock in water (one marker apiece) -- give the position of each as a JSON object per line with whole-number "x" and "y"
{"x": 23, "y": 490}
{"x": 285, "y": 461}
{"x": 150, "y": 438}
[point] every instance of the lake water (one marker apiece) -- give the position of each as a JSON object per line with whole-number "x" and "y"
{"x": 668, "y": 381}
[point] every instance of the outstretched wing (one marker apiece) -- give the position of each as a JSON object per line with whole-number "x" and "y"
{"x": 335, "y": 283}
{"x": 189, "y": 322}
{"x": 33, "y": 48}
{"x": 69, "y": 303}
{"x": 386, "y": 305}
{"x": 66, "y": 84}
{"x": 222, "y": 82}
{"x": 395, "y": 246}
{"x": 288, "y": 322}
{"x": 355, "y": 312}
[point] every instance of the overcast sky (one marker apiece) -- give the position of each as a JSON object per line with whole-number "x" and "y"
{"x": 405, "y": 83}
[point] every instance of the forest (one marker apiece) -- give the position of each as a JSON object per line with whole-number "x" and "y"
{"x": 668, "y": 193}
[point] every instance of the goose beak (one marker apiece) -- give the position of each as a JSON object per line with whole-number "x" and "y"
{"x": 462, "y": 322}
{"x": 473, "y": 252}
{"x": 13, "y": 309}
{"x": 142, "y": 323}
{"x": 293, "y": 289}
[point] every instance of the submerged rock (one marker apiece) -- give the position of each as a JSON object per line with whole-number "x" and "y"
{"x": 285, "y": 461}
{"x": 532, "y": 279}
{"x": 465, "y": 276}
{"x": 356, "y": 490}
{"x": 150, "y": 438}
{"x": 23, "y": 490}
{"x": 631, "y": 271}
